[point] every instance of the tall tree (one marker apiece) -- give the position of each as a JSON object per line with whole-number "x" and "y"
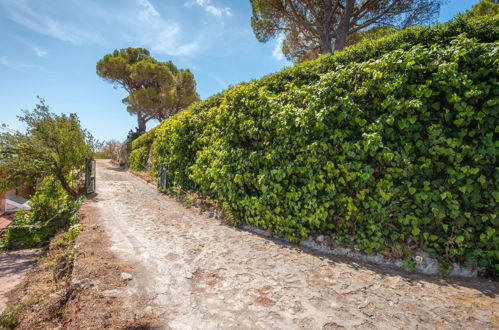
{"x": 483, "y": 8}
{"x": 156, "y": 90}
{"x": 314, "y": 27}
{"x": 53, "y": 145}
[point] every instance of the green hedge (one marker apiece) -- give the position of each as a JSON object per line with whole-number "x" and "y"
{"x": 484, "y": 29}
{"x": 146, "y": 139}
{"x": 391, "y": 153}
{"x": 138, "y": 158}
{"x": 140, "y": 148}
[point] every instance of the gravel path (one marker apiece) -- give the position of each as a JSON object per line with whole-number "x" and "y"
{"x": 202, "y": 274}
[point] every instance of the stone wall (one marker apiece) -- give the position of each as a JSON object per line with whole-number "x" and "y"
{"x": 121, "y": 153}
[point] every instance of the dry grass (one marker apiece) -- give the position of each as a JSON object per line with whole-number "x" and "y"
{"x": 58, "y": 295}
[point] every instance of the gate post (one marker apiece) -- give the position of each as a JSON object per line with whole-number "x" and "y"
{"x": 89, "y": 176}
{"x": 163, "y": 176}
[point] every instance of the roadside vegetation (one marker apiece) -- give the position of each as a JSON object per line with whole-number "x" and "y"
{"x": 387, "y": 145}
{"x": 50, "y": 156}
{"x": 53, "y": 277}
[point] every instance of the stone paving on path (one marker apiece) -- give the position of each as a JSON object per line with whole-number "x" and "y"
{"x": 202, "y": 274}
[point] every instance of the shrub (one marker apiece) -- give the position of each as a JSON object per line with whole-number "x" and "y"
{"x": 484, "y": 29}
{"x": 177, "y": 142}
{"x": 138, "y": 158}
{"x": 394, "y": 152}
{"x": 145, "y": 139}
{"x": 51, "y": 209}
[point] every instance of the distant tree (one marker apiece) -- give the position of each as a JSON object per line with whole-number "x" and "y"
{"x": 156, "y": 90}
{"x": 315, "y": 27}
{"x": 373, "y": 33}
{"x": 483, "y": 8}
{"x": 53, "y": 145}
{"x": 106, "y": 150}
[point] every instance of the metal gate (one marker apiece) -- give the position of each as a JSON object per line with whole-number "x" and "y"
{"x": 90, "y": 176}
{"x": 163, "y": 176}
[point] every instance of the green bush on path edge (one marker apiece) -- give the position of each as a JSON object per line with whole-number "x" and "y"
{"x": 388, "y": 144}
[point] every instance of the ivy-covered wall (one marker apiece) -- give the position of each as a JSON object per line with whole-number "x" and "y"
{"x": 388, "y": 144}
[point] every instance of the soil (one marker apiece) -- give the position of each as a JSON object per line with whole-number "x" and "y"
{"x": 195, "y": 272}
{"x": 102, "y": 298}
{"x": 89, "y": 297}
{"x": 14, "y": 265}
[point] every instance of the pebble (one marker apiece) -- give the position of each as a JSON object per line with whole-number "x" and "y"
{"x": 126, "y": 277}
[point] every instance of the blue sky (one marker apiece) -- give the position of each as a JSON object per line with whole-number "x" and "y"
{"x": 50, "y": 47}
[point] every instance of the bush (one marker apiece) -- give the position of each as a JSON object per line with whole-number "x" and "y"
{"x": 145, "y": 139}
{"x": 138, "y": 158}
{"x": 484, "y": 29}
{"x": 50, "y": 201}
{"x": 140, "y": 149}
{"x": 396, "y": 152}
{"x": 51, "y": 209}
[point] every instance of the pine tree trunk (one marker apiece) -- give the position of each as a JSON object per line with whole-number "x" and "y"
{"x": 344, "y": 26}
{"x": 141, "y": 122}
{"x": 325, "y": 38}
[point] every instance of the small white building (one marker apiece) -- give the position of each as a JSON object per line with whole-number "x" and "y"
{"x": 15, "y": 199}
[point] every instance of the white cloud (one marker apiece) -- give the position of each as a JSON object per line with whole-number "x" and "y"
{"x": 158, "y": 34}
{"x": 163, "y": 38}
{"x": 20, "y": 12}
{"x": 137, "y": 24}
{"x": 39, "y": 52}
{"x": 15, "y": 65}
{"x": 208, "y": 7}
{"x": 277, "y": 53}
{"x": 148, "y": 11}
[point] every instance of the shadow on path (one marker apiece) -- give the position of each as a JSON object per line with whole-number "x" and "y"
{"x": 13, "y": 268}
{"x": 487, "y": 287}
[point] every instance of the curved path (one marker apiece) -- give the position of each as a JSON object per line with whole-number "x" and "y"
{"x": 202, "y": 274}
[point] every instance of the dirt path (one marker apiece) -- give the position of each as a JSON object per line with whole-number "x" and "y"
{"x": 202, "y": 274}
{"x": 13, "y": 268}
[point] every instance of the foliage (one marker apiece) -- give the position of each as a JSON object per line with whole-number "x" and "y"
{"x": 50, "y": 201}
{"x": 484, "y": 29}
{"x": 140, "y": 149}
{"x": 180, "y": 138}
{"x": 311, "y": 28}
{"x": 53, "y": 145}
{"x": 395, "y": 152}
{"x": 156, "y": 90}
{"x": 483, "y": 8}
{"x": 9, "y": 319}
{"x": 134, "y": 135}
{"x": 374, "y": 33}
{"x": 51, "y": 209}
{"x": 59, "y": 259}
{"x": 138, "y": 158}
{"x": 144, "y": 139}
